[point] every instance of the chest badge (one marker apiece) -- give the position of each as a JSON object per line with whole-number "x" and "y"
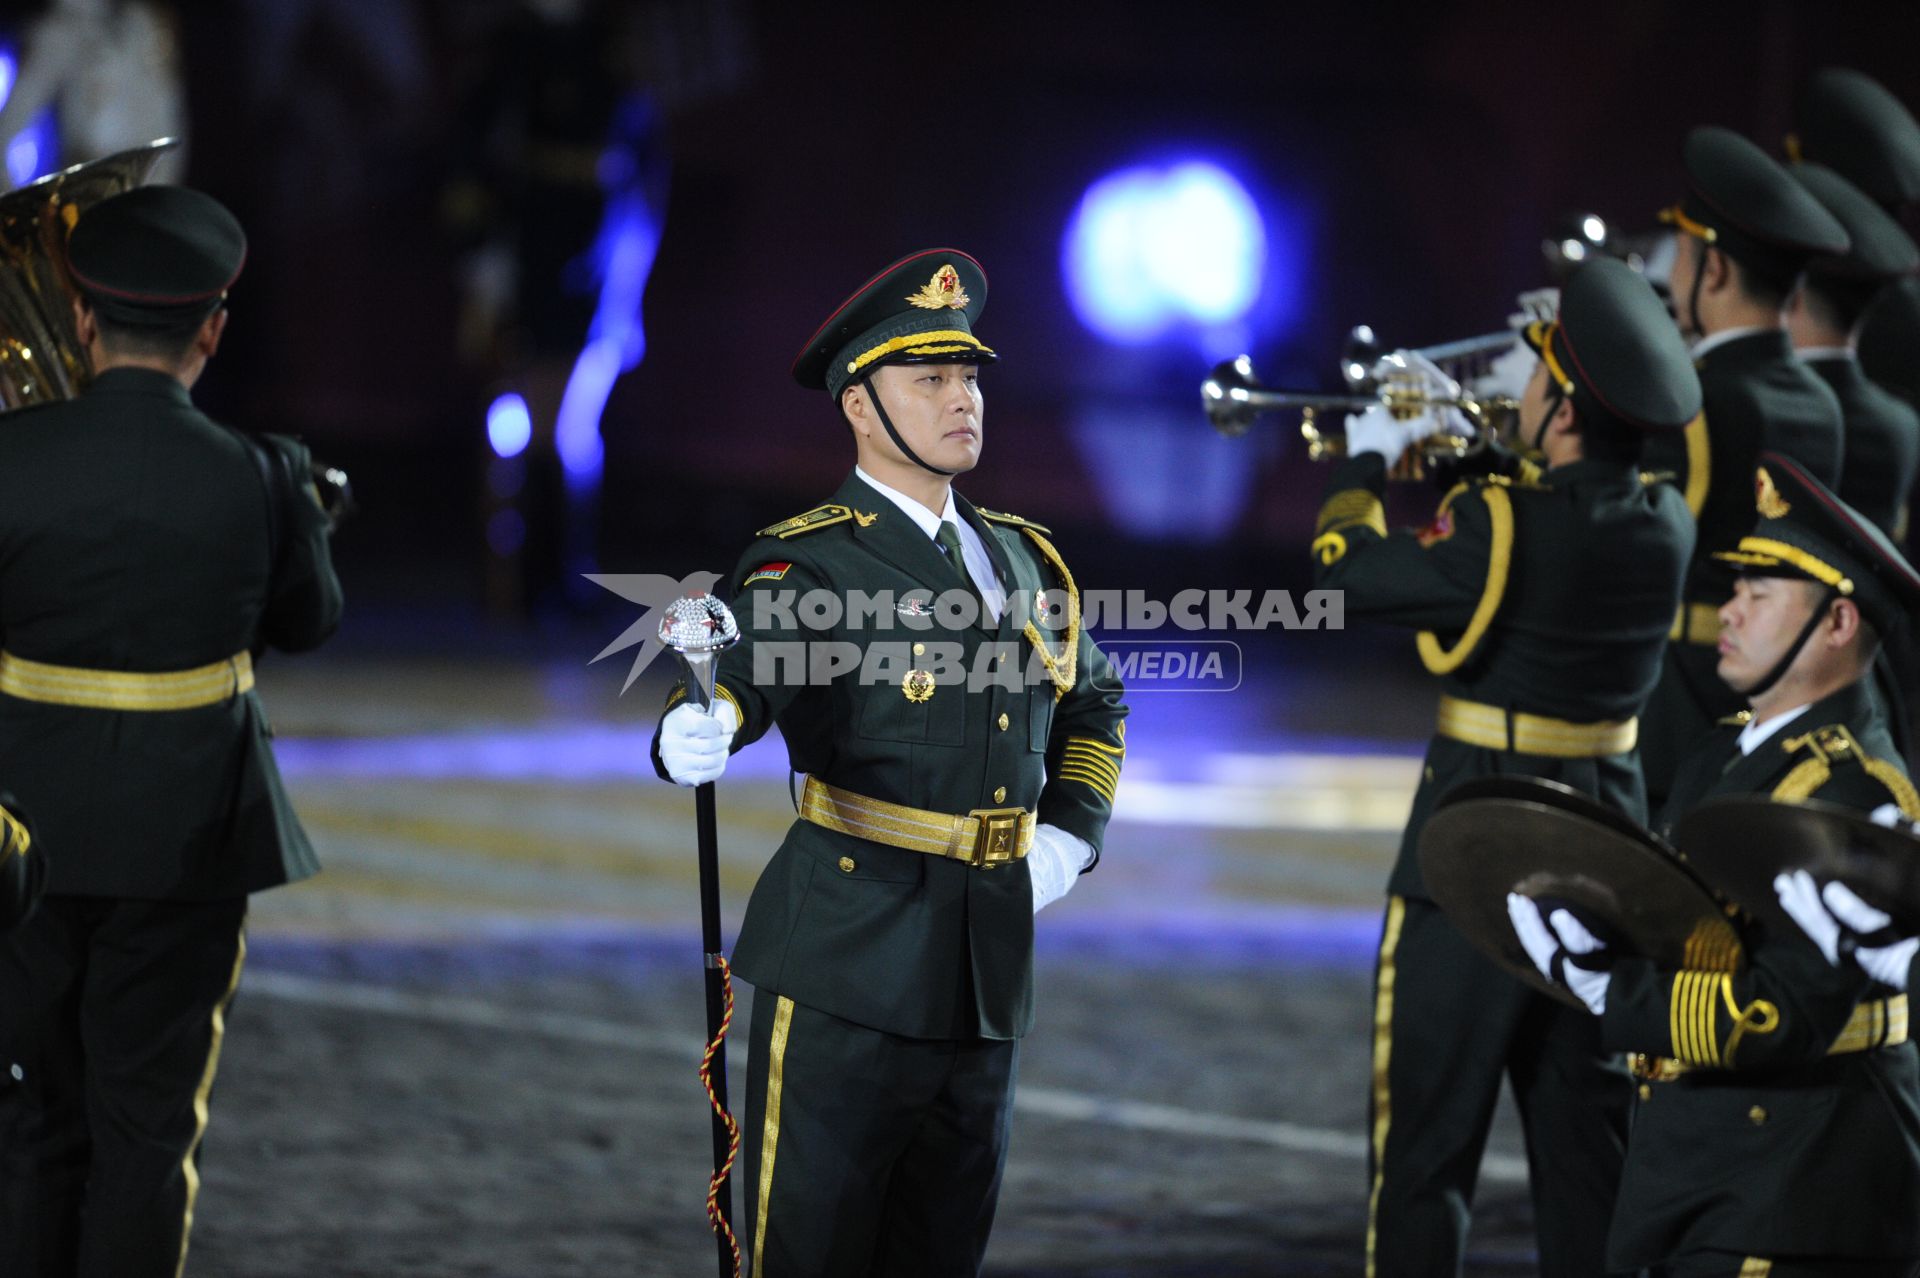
{"x": 918, "y": 685}
{"x": 914, "y": 607}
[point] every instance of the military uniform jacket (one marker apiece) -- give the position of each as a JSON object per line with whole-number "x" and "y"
{"x": 1771, "y": 1146}
{"x": 897, "y": 940}
{"x": 1550, "y": 598}
{"x": 135, "y": 536}
{"x": 1756, "y": 396}
{"x": 1883, "y": 445}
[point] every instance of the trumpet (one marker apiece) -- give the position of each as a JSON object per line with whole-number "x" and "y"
{"x": 1232, "y": 398}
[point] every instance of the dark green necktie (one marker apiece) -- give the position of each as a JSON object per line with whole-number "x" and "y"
{"x": 949, "y": 539}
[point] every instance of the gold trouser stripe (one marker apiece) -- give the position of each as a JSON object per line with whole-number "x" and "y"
{"x": 200, "y": 1095}
{"x": 770, "y": 1124}
{"x": 1695, "y": 623}
{"x": 125, "y": 689}
{"x": 1479, "y": 724}
{"x": 916, "y": 829}
{"x": 1382, "y": 1056}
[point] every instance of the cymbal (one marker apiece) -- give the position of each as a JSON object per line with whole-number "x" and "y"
{"x": 1474, "y": 851}
{"x": 1740, "y": 842}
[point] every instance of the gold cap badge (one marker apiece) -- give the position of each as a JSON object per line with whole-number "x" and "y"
{"x": 943, "y": 290}
{"x": 1771, "y": 504}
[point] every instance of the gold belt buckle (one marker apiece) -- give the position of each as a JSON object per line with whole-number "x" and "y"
{"x": 996, "y": 836}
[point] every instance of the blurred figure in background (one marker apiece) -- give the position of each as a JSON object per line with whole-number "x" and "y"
{"x": 110, "y": 69}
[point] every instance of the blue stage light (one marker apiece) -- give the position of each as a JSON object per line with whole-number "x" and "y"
{"x": 509, "y": 425}
{"x": 1156, "y": 250}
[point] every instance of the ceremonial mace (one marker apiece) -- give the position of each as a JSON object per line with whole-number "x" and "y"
{"x": 699, "y": 627}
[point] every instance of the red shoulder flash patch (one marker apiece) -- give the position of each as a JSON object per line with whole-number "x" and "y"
{"x": 1439, "y": 530}
{"x": 766, "y": 572}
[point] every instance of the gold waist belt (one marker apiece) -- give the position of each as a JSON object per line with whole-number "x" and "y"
{"x": 1696, "y": 623}
{"x": 1492, "y": 728}
{"x": 1880, "y": 1023}
{"x": 984, "y": 837}
{"x": 124, "y": 689}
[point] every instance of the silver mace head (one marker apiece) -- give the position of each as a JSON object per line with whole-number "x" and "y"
{"x": 698, "y": 627}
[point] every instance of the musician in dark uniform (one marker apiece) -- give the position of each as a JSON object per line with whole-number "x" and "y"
{"x": 146, "y": 555}
{"x": 1848, "y": 122}
{"x": 1882, "y": 453}
{"x": 1778, "y": 1124}
{"x": 1516, "y": 585}
{"x": 1745, "y": 232}
{"x": 959, "y": 776}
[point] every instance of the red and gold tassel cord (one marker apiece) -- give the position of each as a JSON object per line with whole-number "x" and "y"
{"x": 717, "y": 1182}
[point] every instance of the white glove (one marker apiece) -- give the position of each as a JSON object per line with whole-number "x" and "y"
{"x": 1055, "y": 861}
{"x": 1535, "y": 304}
{"x": 693, "y": 742}
{"x": 1378, "y": 431}
{"x": 1553, "y": 948}
{"x": 1824, "y": 914}
{"x": 1509, "y": 373}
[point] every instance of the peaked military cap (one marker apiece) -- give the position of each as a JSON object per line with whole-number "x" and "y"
{"x": 1889, "y": 337}
{"x": 920, "y": 310}
{"x": 1851, "y": 124}
{"x": 1615, "y": 352}
{"x": 1807, "y": 532}
{"x": 156, "y": 255}
{"x": 1878, "y": 249}
{"x": 1742, "y": 201}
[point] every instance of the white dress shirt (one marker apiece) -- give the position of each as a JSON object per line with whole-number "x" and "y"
{"x": 1755, "y": 733}
{"x": 979, "y": 563}
{"x": 1726, "y": 335}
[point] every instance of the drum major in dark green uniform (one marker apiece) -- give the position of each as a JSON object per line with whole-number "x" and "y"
{"x": 959, "y": 776}
{"x": 1544, "y": 607}
{"x": 147, "y": 555}
{"x": 1745, "y": 232}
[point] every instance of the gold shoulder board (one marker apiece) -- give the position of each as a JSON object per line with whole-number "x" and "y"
{"x": 815, "y": 519}
{"x": 1001, "y": 517}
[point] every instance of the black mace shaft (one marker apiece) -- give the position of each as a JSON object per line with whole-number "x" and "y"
{"x": 717, "y": 1012}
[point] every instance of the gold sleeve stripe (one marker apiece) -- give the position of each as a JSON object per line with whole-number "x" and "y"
{"x": 1693, "y": 1019}
{"x": 1092, "y": 780}
{"x": 1351, "y": 508}
{"x": 1118, "y": 751}
{"x": 1093, "y": 767}
{"x": 1442, "y": 661}
{"x": 1093, "y": 758}
{"x": 1699, "y": 465}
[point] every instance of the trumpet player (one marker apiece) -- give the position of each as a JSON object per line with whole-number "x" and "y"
{"x": 1743, "y": 234}
{"x": 1542, "y": 608}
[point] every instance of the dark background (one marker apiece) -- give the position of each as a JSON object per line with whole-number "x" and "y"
{"x": 1421, "y": 150}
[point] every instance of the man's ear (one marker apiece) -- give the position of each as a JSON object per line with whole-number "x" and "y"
{"x": 859, "y": 414}
{"x": 207, "y": 340}
{"x": 85, "y": 326}
{"x": 1716, "y": 271}
{"x": 1843, "y": 625}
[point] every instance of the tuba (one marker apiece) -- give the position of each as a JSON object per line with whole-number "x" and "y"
{"x": 41, "y": 359}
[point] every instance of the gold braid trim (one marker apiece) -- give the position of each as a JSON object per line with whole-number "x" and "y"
{"x": 1442, "y": 661}
{"x": 1699, "y": 465}
{"x": 1807, "y": 776}
{"x": 1063, "y": 669}
{"x": 1890, "y": 775}
{"x": 1352, "y": 508}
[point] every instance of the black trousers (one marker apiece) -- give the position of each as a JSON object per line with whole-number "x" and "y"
{"x": 868, "y": 1155}
{"x": 1448, "y": 1025}
{"x": 111, "y": 1017}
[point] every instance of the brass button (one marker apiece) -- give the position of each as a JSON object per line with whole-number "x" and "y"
{"x": 846, "y": 864}
{"x": 919, "y": 650}
{"x": 1000, "y": 795}
{"x": 1757, "y": 1115}
{"x": 1646, "y": 1092}
{"x": 1429, "y": 773}
{"x": 1003, "y": 723}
